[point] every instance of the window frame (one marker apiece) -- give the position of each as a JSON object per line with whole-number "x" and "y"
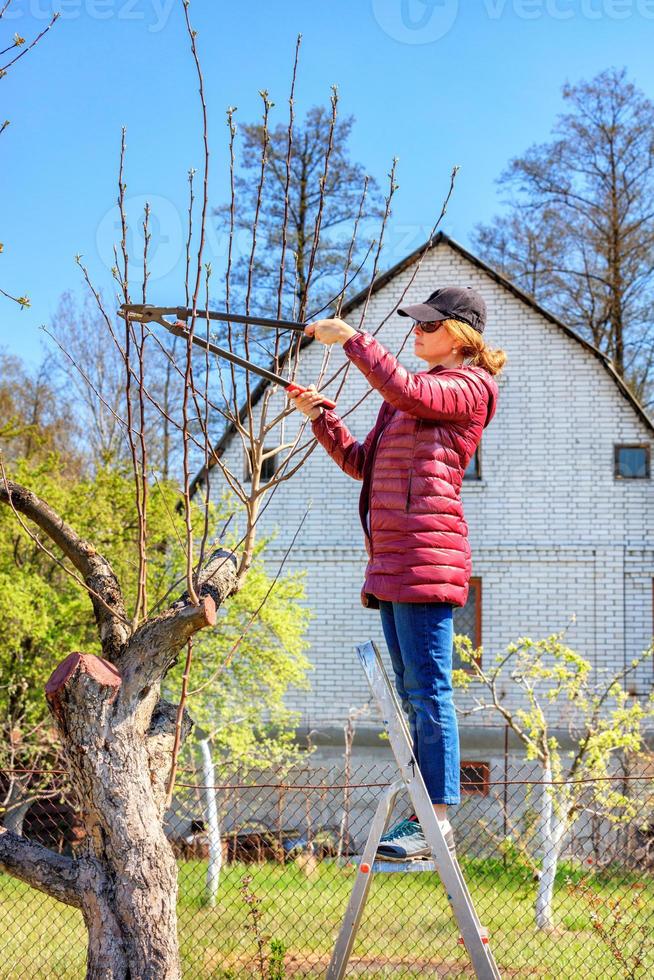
{"x": 482, "y": 767}
{"x": 247, "y": 466}
{"x": 476, "y": 582}
{"x": 617, "y": 446}
{"x": 479, "y": 476}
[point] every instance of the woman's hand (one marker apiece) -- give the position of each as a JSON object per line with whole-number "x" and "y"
{"x": 328, "y": 332}
{"x": 307, "y": 402}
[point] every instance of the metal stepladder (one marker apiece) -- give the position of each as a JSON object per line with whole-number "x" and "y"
{"x": 471, "y": 930}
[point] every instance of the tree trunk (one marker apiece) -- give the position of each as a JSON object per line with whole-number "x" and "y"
{"x": 552, "y": 831}
{"x": 214, "y": 865}
{"x": 129, "y": 904}
{"x": 118, "y": 739}
{"x": 545, "y": 894}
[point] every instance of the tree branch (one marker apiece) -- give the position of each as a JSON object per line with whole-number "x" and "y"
{"x": 98, "y": 575}
{"x": 154, "y": 647}
{"x": 38, "y": 866}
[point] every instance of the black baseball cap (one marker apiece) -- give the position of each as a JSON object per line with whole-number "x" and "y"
{"x": 457, "y": 302}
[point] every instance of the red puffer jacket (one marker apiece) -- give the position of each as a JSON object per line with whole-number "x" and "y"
{"x": 412, "y": 464}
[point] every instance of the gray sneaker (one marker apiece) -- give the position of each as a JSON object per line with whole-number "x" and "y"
{"x": 390, "y": 834}
{"x": 406, "y": 842}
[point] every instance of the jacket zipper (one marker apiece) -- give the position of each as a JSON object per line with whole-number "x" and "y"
{"x": 372, "y": 473}
{"x": 413, "y": 453}
{"x": 408, "y": 496}
{"x": 369, "y": 515}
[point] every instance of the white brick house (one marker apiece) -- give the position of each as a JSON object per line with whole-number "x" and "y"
{"x": 554, "y": 527}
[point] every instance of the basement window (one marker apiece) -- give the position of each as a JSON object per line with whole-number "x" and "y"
{"x": 631, "y": 461}
{"x": 475, "y": 778}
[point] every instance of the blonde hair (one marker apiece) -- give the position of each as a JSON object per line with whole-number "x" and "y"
{"x": 473, "y": 346}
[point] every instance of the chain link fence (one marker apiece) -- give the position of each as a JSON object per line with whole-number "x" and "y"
{"x": 267, "y": 861}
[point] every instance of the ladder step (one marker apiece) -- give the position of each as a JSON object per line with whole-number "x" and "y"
{"x": 382, "y": 866}
{"x": 442, "y": 859}
{"x": 483, "y": 935}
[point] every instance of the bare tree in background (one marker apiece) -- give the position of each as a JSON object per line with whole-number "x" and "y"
{"x": 34, "y": 422}
{"x": 579, "y": 232}
{"x": 292, "y": 200}
{"x": 90, "y": 368}
{"x": 120, "y": 738}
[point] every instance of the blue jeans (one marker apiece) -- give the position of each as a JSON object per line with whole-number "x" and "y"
{"x": 420, "y": 637}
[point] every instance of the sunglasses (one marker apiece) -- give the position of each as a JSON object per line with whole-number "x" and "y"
{"x": 428, "y": 327}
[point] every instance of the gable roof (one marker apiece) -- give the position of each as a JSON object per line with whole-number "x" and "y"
{"x": 385, "y": 277}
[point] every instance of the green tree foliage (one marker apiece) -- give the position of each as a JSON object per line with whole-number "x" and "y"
{"x": 44, "y": 615}
{"x": 557, "y": 686}
{"x": 243, "y": 669}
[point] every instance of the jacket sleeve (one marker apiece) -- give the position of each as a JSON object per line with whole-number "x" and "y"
{"x": 450, "y": 395}
{"x": 332, "y": 433}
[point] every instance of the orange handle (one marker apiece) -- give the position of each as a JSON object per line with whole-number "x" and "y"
{"x": 294, "y": 389}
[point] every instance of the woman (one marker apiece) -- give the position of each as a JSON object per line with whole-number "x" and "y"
{"x": 412, "y": 464}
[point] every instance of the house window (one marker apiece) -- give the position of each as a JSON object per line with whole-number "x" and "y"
{"x": 631, "y": 461}
{"x": 475, "y": 778}
{"x": 268, "y": 467}
{"x": 473, "y": 469}
{"x": 467, "y": 620}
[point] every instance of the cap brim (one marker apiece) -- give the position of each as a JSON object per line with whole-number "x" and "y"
{"x": 422, "y": 312}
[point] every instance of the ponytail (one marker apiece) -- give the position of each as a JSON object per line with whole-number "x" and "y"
{"x": 473, "y": 347}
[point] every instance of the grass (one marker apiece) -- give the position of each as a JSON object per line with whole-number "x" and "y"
{"x": 407, "y": 929}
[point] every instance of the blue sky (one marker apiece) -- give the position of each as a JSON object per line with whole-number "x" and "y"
{"x": 436, "y": 83}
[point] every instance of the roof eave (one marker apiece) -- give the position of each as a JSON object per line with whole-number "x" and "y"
{"x": 440, "y": 238}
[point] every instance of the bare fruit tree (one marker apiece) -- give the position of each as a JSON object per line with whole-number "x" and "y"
{"x": 121, "y": 740}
